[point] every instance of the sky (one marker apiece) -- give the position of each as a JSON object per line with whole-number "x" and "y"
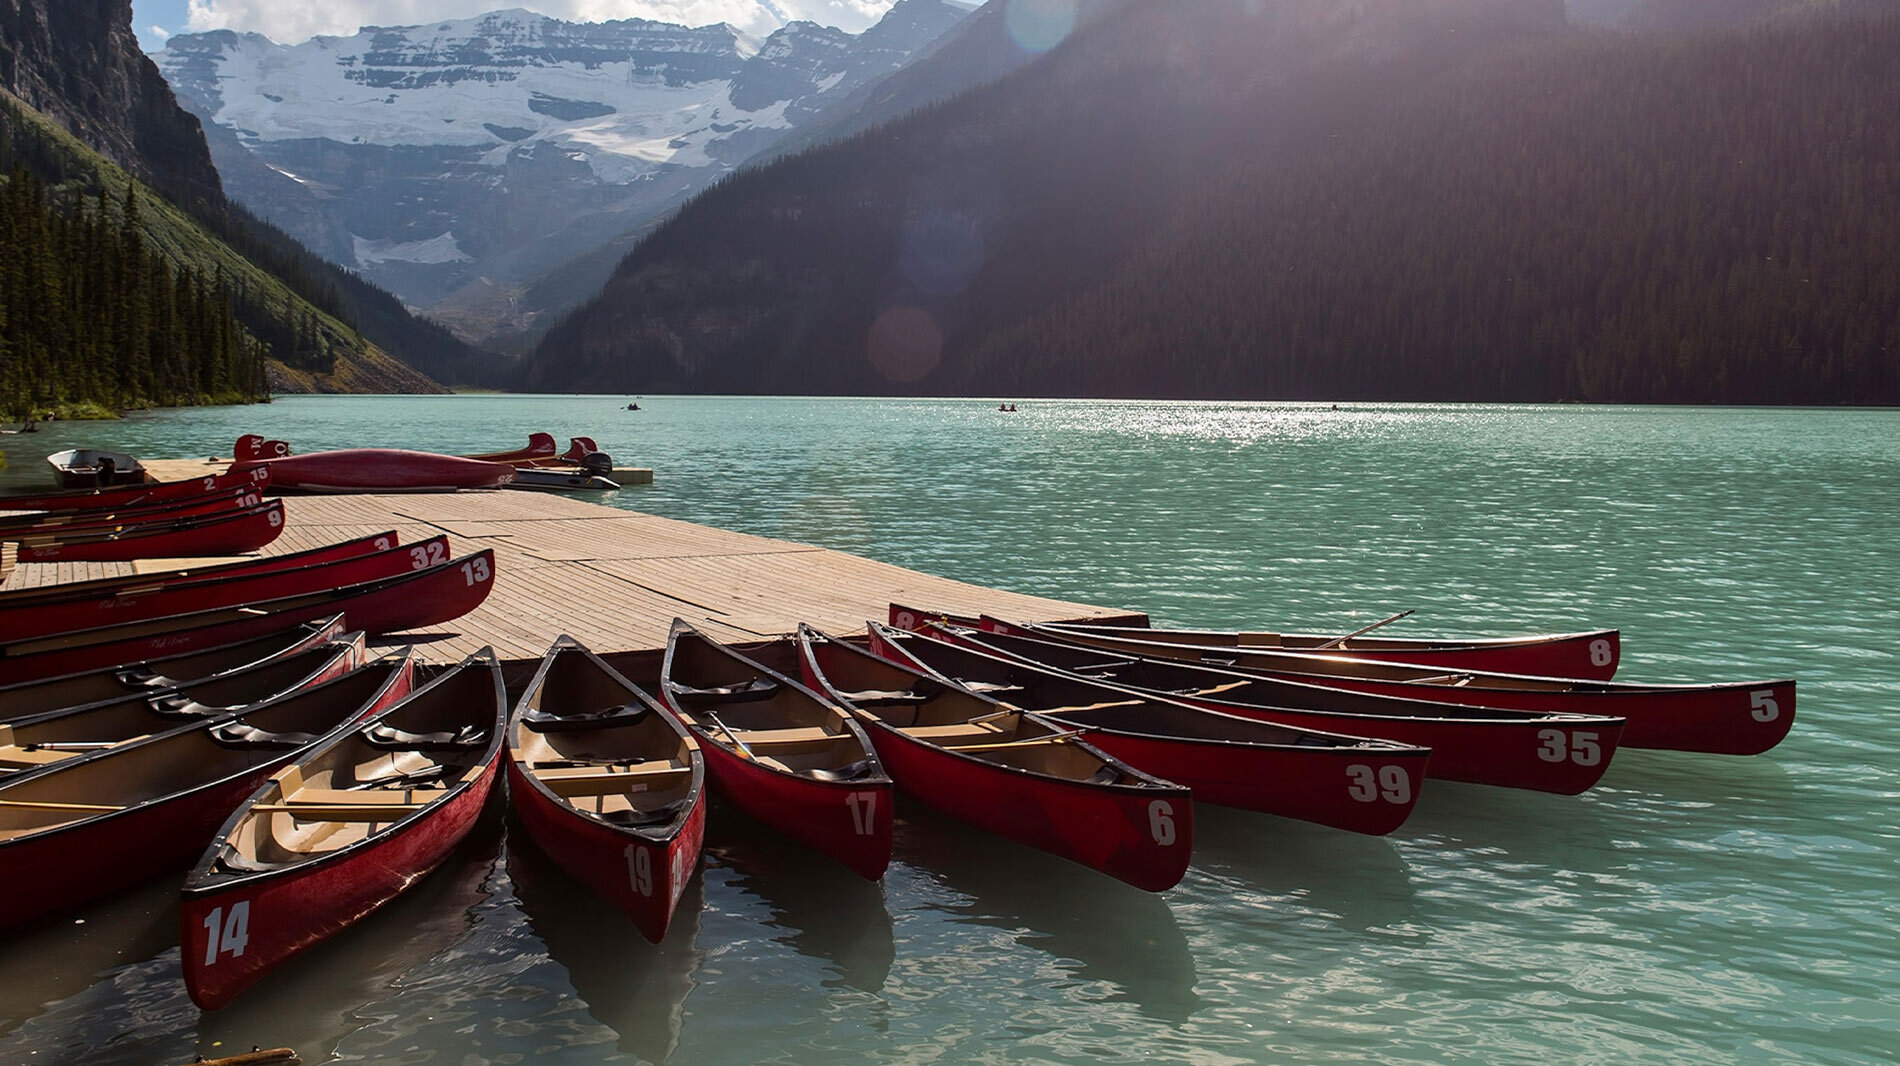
{"x": 295, "y": 22}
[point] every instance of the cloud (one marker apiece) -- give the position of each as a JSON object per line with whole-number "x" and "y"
{"x": 159, "y": 32}
{"x": 291, "y": 23}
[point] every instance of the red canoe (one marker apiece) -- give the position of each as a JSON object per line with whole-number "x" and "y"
{"x": 252, "y": 446}
{"x": 69, "y": 524}
{"x": 158, "y": 599}
{"x": 608, "y": 784}
{"x": 1541, "y": 751}
{"x": 379, "y": 470}
{"x": 781, "y": 753}
{"x": 1743, "y": 718}
{"x": 157, "y": 676}
{"x": 349, "y": 825}
{"x": 229, "y": 533}
{"x": 136, "y": 495}
{"x": 540, "y": 446}
{"x": 91, "y": 826}
{"x": 1333, "y": 779}
{"x": 392, "y": 605}
{"x": 70, "y": 732}
{"x": 1591, "y": 655}
{"x": 1008, "y": 773}
{"x": 106, "y": 587}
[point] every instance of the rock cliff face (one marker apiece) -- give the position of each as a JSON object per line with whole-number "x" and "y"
{"x": 461, "y": 158}
{"x": 79, "y": 62}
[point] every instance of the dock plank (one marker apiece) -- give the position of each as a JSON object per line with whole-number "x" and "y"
{"x": 612, "y": 579}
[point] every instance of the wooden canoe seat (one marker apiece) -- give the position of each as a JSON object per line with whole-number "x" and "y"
{"x": 951, "y": 735}
{"x": 569, "y": 782}
{"x": 782, "y": 740}
{"x": 352, "y": 805}
{"x": 22, "y": 758}
{"x": 1090, "y": 707}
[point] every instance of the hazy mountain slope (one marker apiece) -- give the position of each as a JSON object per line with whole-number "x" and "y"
{"x": 1613, "y": 218}
{"x": 876, "y": 264}
{"x": 458, "y": 162}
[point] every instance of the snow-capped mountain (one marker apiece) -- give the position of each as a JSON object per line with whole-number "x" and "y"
{"x": 471, "y": 156}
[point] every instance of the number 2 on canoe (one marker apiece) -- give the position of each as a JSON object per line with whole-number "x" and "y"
{"x": 640, "y": 869}
{"x": 227, "y": 935}
{"x": 1388, "y": 782}
{"x": 1161, "y": 822}
{"x": 863, "y": 809}
{"x": 475, "y": 571}
{"x": 423, "y": 556}
{"x": 1580, "y": 747}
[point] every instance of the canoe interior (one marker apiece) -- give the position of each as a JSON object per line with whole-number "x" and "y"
{"x": 404, "y": 760}
{"x": 733, "y": 700}
{"x": 633, "y": 766}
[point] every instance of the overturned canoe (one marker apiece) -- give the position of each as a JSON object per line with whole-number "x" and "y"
{"x": 158, "y": 599}
{"x": 1009, "y": 773}
{"x": 198, "y": 536}
{"x": 392, "y": 605}
{"x": 608, "y": 784}
{"x": 780, "y": 752}
{"x": 134, "y": 495}
{"x": 346, "y": 826}
{"x": 379, "y": 470}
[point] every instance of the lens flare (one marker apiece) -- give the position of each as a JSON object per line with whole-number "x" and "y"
{"x": 905, "y": 344}
{"x": 1039, "y": 25}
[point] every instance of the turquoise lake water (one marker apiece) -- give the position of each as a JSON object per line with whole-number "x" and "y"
{"x": 1692, "y": 908}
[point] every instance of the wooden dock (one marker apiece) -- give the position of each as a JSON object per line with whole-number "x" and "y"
{"x": 612, "y": 579}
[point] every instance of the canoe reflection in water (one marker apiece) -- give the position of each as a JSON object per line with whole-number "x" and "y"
{"x": 1097, "y": 928}
{"x": 636, "y": 989}
{"x": 819, "y": 909}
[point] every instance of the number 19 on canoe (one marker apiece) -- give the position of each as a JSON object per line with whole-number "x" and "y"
{"x": 227, "y": 935}
{"x": 640, "y": 869}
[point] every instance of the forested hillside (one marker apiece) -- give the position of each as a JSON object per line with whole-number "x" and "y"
{"x": 1422, "y": 201}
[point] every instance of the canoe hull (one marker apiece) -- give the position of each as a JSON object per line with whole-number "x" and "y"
{"x": 222, "y": 535}
{"x": 607, "y": 861}
{"x": 136, "y": 495}
{"x": 155, "y": 602}
{"x": 284, "y": 916}
{"x": 850, "y": 821}
{"x": 379, "y": 470}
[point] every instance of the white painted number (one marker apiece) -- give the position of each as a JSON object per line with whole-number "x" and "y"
{"x": 1762, "y": 705}
{"x": 210, "y": 483}
{"x": 382, "y": 544}
{"x": 426, "y": 555}
{"x": 863, "y": 811}
{"x": 235, "y": 930}
{"x": 679, "y": 873}
{"x": 640, "y": 869}
{"x": 905, "y": 620}
{"x": 475, "y": 571}
{"x": 1599, "y": 652}
{"x": 276, "y": 519}
{"x": 1161, "y": 822}
{"x": 1388, "y": 782}
{"x": 1580, "y": 748}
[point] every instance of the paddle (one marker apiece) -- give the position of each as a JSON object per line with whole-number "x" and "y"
{"x": 1336, "y": 641}
{"x": 730, "y": 735}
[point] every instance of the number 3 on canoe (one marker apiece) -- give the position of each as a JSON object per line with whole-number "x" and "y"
{"x": 863, "y": 807}
{"x": 640, "y": 869}
{"x": 1161, "y": 822}
{"x": 475, "y": 571}
{"x": 235, "y": 930}
{"x": 1582, "y": 747}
